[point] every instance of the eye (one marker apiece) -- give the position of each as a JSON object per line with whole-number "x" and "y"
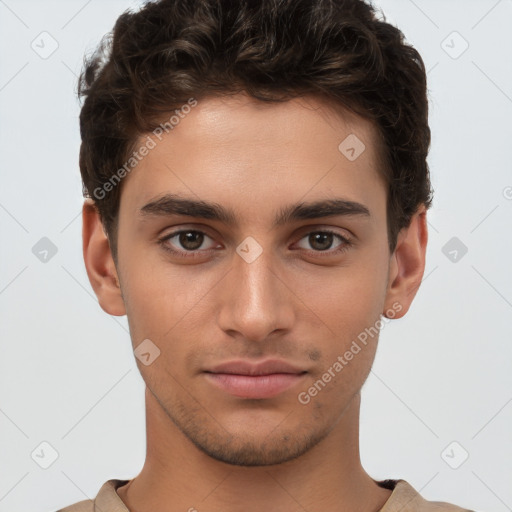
{"x": 322, "y": 241}
{"x": 186, "y": 241}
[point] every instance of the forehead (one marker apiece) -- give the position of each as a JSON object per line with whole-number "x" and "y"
{"x": 238, "y": 148}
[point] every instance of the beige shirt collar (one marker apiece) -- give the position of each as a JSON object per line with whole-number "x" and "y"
{"x": 404, "y": 498}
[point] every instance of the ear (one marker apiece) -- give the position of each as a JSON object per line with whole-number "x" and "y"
{"x": 407, "y": 265}
{"x": 99, "y": 263}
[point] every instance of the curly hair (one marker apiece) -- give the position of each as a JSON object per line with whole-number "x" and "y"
{"x": 157, "y": 58}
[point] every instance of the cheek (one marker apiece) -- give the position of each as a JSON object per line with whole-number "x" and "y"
{"x": 346, "y": 299}
{"x": 171, "y": 306}
{"x": 347, "y": 358}
{"x": 348, "y": 305}
{"x": 159, "y": 293}
{"x": 326, "y": 394}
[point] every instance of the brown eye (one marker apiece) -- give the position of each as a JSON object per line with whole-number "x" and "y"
{"x": 190, "y": 240}
{"x": 320, "y": 241}
{"x": 186, "y": 242}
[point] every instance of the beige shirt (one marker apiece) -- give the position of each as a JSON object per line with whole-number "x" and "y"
{"x": 404, "y": 498}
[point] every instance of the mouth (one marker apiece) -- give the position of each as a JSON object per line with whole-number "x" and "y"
{"x": 257, "y": 381}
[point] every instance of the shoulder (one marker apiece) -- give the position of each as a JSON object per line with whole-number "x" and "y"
{"x": 81, "y": 506}
{"x": 407, "y": 499}
{"x": 107, "y": 499}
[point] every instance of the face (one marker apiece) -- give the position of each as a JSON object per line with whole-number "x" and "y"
{"x": 283, "y": 257}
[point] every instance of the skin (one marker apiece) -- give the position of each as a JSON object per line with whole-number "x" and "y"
{"x": 207, "y": 449}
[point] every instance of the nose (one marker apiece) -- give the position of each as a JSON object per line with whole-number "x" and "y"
{"x": 255, "y": 298}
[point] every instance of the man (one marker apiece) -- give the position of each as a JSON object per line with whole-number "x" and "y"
{"x": 257, "y": 189}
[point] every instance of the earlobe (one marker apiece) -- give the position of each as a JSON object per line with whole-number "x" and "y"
{"x": 407, "y": 266}
{"x": 99, "y": 263}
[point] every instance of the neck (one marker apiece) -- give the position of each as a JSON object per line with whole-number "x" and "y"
{"x": 178, "y": 476}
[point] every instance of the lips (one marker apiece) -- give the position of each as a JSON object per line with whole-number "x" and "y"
{"x": 267, "y": 367}
{"x": 244, "y": 379}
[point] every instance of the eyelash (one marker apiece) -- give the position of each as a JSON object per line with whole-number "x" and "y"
{"x": 347, "y": 243}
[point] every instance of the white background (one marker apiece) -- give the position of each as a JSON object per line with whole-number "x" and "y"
{"x": 442, "y": 373}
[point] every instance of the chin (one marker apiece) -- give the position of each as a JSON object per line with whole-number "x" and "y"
{"x": 252, "y": 454}
{"x": 265, "y": 449}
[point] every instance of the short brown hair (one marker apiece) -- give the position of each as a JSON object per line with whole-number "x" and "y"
{"x": 154, "y": 60}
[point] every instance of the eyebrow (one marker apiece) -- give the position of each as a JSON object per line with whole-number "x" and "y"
{"x": 172, "y": 204}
